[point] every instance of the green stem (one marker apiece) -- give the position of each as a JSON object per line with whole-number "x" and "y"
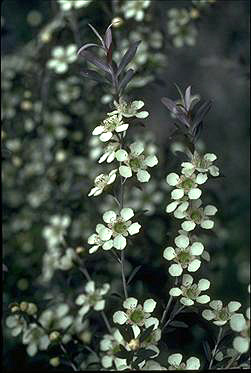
{"x": 215, "y": 348}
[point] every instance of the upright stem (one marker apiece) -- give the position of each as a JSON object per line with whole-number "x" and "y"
{"x": 215, "y": 348}
{"x": 168, "y": 304}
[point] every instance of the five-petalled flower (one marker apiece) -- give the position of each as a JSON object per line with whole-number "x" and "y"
{"x": 101, "y": 181}
{"x": 218, "y": 314}
{"x": 111, "y": 124}
{"x": 184, "y": 255}
{"x": 191, "y": 292}
{"x": 136, "y": 162}
{"x": 93, "y": 298}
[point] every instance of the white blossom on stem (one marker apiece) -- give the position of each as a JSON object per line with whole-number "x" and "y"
{"x": 101, "y": 181}
{"x": 175, "y": 361}
{"x": 93, "y": 298}
{"x": 218, "y": 314}
{"x": 191, "y": 292}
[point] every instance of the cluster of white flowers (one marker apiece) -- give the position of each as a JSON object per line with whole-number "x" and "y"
{"x": 181, "y": 28}
{"x": 66, "y": 5}
{"x": 135, "y": 9}
{"x": 62, "y": 57}
{"x": 93, "y": 298}
{"x": 175, "y": 361}
{"x": 113, "y": 131}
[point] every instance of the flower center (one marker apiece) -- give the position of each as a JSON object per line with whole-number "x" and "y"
{"x": 134, "y": 164}
{"x": 196, "y": 216}
{"x": 192, "y": 292}
{"x": 187, "y": 184}
{"x": 184, "y": 257}
{"x": 223, "y": 315}
{"x": 120, "y": 227}
{"x": 137, "y": 316}
{"x": 101, "y": 181}
{"x": 111, "y": 123}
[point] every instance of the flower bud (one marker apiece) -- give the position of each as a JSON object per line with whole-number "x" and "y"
{"x": 15, "y": 309}
{"x": 32, "y": 309}
{"x": 80, "y": 250}
{"x": 134, "y": 344}
{"x": 54, "y": 336}
{"x": 55, "y": 361}
{"x": 24, "y": 306}
{"x": 117, "y": 22}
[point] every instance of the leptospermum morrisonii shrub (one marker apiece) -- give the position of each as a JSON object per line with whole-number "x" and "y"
{"x": 137, "y": 329}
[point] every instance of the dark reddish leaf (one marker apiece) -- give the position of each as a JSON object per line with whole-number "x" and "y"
{"x": 128, "y": 76}
{"x": 97, "y": 34}
{"x": 128, "y": 56}
{"x": 90, "y": 57}
{"x": 93, "y": 75}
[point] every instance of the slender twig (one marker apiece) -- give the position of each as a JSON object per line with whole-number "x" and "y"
{"x": 215, "y": 348}
{"x": 232, "y": 361}
{"x": 68, "y": 357}
{"x": 106, "y": 322}
{"x": 171, "y": 318}
{"x": 123, "y": 274}
{"x": 168, "y": 304}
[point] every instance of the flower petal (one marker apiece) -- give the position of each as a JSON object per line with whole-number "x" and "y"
{"x": 203, "y": 284}
{"x": 194, "y": 193}
{"x": 188, "y": 225}
{"x": 169, "y": 253}
{"x": 130, "y": 303}
{"x": 172, "y": 179}
{"x": 175, "y": 270}
{"x": 175, "y": 359}
{"x": 109, "y": 216}
{"x": 181, "y": 241}
{"x": 119, "y": 242}
{"x": 149, "y": 305}
{"x": 134, "y": 228}
{"x": 177, "y": 193}
{"x": 196, "y": 248}
{"x": 125, "y": 171}
{"x": 121, "y": 155}
{"x": 127, "y": 213}
{"x": 120, "y": 317}
{"x": 143, "y": 176}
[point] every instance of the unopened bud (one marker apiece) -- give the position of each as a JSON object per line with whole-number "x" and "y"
{"x": 54, "y": 336}
{"x": 15, "y": 309}
{"x": 24, "y": 306}
{"x": 134, "y": 344}
{"x": 80, "y": 250}
{"x": 194, "y": 13}
{"x": 32, "y": 309}
{"x": 26, "y": 105}
{"x": 117, "y": 22}
{"x": 55, "y": 361}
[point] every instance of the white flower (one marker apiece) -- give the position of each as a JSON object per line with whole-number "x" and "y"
{"x": 101, "y": 181}
{"x": 66, "y": 5}
{"x": 35, "y": 338}
{"x": 136, "y": 162}
{"x": 191, "y": 292}
{"x": 92, "y": 298}
{"x": 17, "y": 324}
{"x": 110, "y": 345}
{"x": 109, "y": 152}
{"x": 218, "y": 314}
{"x": 135, "y": 314}
{"x": 193, "y": 363}
{"x": 184, "y": 255}
{"x": 66, "y": 261}
{"x": 201, "y": 164}
{"x": 57, "y": 318}
{"x": 129, "y": 109}
{"x": 62, "y": 57}
{"x": 135, "y": 9}
{"x": 106, "y": 130}
{"x": 118, "y": 227}
{"x": 196, "y": 215}
{"x": 186, "y": 185}
{"x": 241, "y": 325}
{"x": 54, "y": 233}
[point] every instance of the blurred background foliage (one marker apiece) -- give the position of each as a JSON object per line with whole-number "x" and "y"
{"x": 50, "y": 159}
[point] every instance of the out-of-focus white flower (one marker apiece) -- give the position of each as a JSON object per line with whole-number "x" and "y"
{"x": 135, "y": 9}
{"x": 101, "y": 181}
{"x": 66, "y": 5}
{"x": 106, "y": 130}
{"x": 241, "y": 325}
{"x": 17, "y": 324}
{"x": 68, "y": 90}
{"x": 118, "y": 227}
{"x": 180, "y": 28}
{"x": 136, "y": 314}
{"x": 109, "y": 152}
{"x": 186, "y": 185}
{"x": 193, "y": 363}
{"x": 136, "y": 162}
{"x": 218, "y": 314}
{"x": 184, "y": 255}
{"x": 36, "y": 339}
{"x": 94, "y": 298}
{"x": 110, "y": 345}
{"x": 195, "y": 215}
{"x": 129, "y": 109}
{"x": 62, "y": 57}
{"x": 191, "y": 292}
{"x": 66, "y": 261}
{"x": 54, "y": 233}
{"x": 202, "y": 164}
